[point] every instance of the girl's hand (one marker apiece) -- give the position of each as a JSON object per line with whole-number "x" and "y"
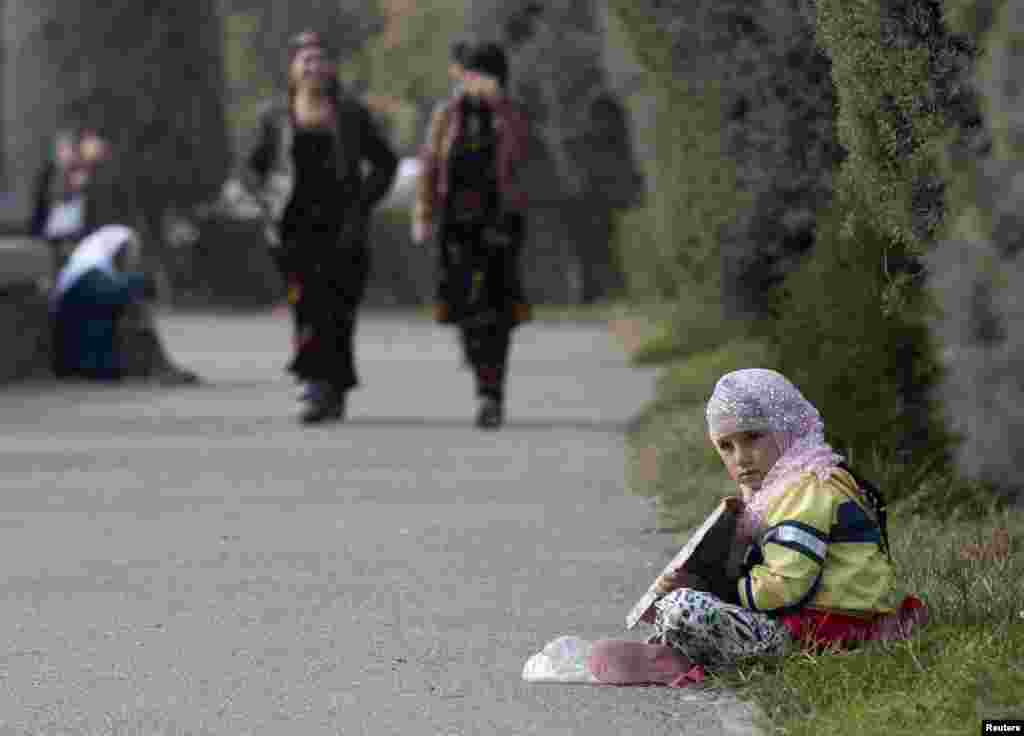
{"x": 676, "y": 579}
{"x": 736, "y": 503}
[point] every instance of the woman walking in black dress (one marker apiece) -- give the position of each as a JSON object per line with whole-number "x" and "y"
{"x": 307, "y": 167}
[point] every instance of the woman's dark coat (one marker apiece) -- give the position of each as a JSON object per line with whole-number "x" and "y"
{"x": 365, "y": 163}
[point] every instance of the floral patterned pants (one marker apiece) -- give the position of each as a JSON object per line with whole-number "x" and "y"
{"x": 715, "y": 634}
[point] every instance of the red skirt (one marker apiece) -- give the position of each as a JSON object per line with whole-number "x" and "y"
{"x": 823, "y": 628}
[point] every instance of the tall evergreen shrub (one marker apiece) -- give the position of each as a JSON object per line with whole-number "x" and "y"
{"x": 857, "y": 311}
{"x": 850, "y": 358}
{"x": 979, "y": 269}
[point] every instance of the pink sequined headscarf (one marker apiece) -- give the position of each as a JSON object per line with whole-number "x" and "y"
{"x": 758, "y": 399}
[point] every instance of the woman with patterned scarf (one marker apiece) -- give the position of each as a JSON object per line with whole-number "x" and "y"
{"x": 818, "y": 569}
{"x": 468, "y": 193}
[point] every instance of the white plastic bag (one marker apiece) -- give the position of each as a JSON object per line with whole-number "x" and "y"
{"x": 562, "y": 660}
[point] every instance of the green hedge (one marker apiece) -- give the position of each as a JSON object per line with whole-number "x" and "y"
{"x": 887, "y": 119}
{"x": 852, "y": 324}
{"x": 852, "y": 360}
{"x": 897, "y": 72}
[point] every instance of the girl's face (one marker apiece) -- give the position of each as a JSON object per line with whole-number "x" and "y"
{"x": 748, "y": 456}
{"x": 311, "y": 67}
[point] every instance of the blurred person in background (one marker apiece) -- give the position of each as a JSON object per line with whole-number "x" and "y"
{"x": 75, "y": 198}
{"x": 319, "y": 165}
{"x": 469, "y": 198}
{"x": 63, "y": 211}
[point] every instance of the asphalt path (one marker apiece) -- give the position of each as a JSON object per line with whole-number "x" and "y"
{"x": 192, "y": 561}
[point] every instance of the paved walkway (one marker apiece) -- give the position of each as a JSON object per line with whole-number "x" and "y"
{"x": 190, "y": 560}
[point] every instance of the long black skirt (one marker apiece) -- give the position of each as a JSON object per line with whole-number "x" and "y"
{"x": 327, "y": 267}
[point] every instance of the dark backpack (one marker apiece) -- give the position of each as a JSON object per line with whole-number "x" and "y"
{"x": 878, "y": 505}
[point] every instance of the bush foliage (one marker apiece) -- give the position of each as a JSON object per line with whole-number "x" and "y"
{"x": 896, "y": 69}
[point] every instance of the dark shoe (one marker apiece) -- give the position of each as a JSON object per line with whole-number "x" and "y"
{"x": 490, "y": 415}
{"x": 325, "y": 404}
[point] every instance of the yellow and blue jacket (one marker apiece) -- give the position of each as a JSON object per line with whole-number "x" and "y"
{"x": 820, "y": 548}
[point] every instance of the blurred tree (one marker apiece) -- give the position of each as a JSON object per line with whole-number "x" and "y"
{"x": 405, "y": 66}
{"x": 978, "y": 270}
{"x": 585, "y": 163}
{"x": 149, "y": 76}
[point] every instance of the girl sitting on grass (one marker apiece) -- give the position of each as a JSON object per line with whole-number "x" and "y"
{"x": 817, "y": 567}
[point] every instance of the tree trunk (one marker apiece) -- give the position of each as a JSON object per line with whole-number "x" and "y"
{"x": 32, "y": 32}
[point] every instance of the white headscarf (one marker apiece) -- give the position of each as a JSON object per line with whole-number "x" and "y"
{"x": 757, "y": 399}
{"x": 97, "y": 251}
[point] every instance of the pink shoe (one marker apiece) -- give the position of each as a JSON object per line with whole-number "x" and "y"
{"x": 624, "y": 662}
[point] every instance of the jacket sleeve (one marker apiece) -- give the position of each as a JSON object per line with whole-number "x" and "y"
{"x": 430, "y": 166}
{"x": 378, "y": 152}
{"x": 513, "y": 154}
{"x": 793, "y": 549}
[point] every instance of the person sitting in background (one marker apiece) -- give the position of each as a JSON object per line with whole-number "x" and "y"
{"x": 92, "y": 292}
